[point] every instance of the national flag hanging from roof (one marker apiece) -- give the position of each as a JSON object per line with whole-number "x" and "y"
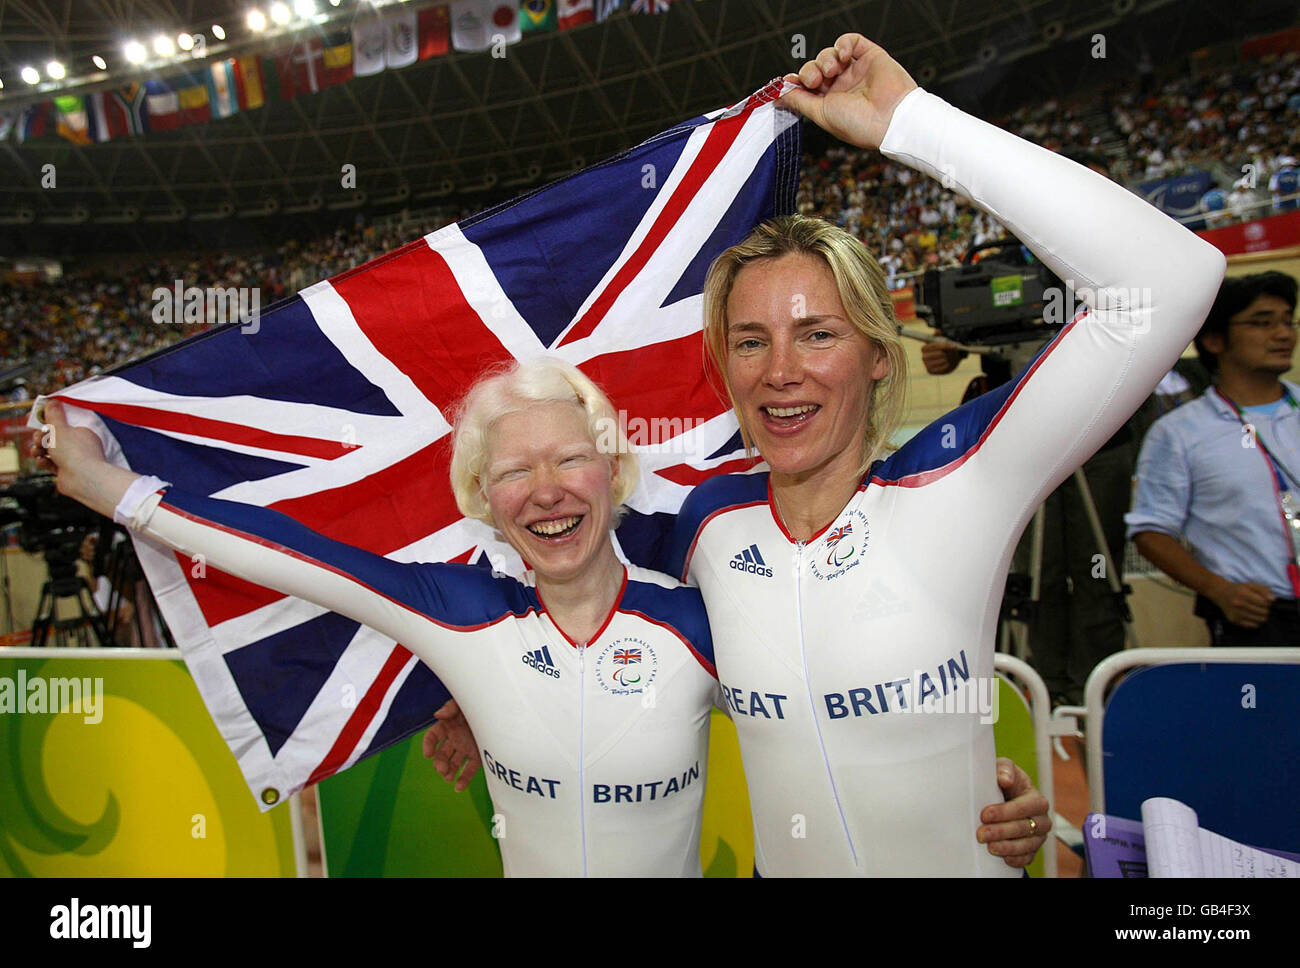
{"x": 434, "y": 31}
{"x": 336, "y": 60}
{"x": 223, "y": 93}
{"x": 312, "y": 64}
{"x": 368, "y": 41}
{"x": 401, "y": 39}
{"x": 335, "y": 411}
{"x": 248, "y": 83}
{"x": 34, "y": 121}
{"x": 164, "y": 106}
{"x": 537, "y": 16}
{"x": 106, "y": 119}
{"x": 504, "y": 20}
{"x": 192, "y": 95}
{"x": 74, "y": 120}
{"x": 574, "y": 13}
{"x": 130, "y": 101}
{"x": 397, "y": 38}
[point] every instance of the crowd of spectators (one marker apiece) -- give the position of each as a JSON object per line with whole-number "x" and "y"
{"x": 1236, "y": 117}
{"x": 1239, "y": 116}
{"x": 907, "y": 218}
{"x": 84, "y": 323}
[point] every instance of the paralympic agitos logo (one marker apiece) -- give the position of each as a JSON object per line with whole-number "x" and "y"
{"x": 627, "y": 667}
{"x": 842, "y": 547}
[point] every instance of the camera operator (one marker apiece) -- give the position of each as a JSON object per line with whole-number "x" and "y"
{"x": 102, "y": 591}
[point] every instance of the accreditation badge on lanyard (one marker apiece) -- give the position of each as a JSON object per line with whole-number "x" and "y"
{"x": 1291, "y": 513}
{"x": 1284, "y": 485}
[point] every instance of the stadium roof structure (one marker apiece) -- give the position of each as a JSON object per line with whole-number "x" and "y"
{"x": 467, "y": 123}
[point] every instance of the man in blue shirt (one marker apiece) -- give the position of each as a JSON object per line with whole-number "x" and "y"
{"x": 1223, "y": 472}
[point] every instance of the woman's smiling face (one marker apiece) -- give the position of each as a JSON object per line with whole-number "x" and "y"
{"x": 549, "y": 489}
{"x": 800, "y": 372}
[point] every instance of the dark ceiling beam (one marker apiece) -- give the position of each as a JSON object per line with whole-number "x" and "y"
{"x": 653, "y": 72}
{"x": 479, "y": 109}
{"x": 547, "y": 117}
{"x": 422, "y": 114}
{"x": 161, "y": 184}
{"x": 595, "y": 89}
{"x": 369, "y": 126}
{"x": 727, "y": 80}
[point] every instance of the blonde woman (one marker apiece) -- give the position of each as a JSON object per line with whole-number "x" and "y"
{"x": 876, "y": 620}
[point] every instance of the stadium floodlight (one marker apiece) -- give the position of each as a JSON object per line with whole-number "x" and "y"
{"x": 218, "y": 31}
{"x": 335, "y": 3}
{"x": 280, "y": 13}
{"x": 163, "y": 46}
{"x": 99, "y": 62}
{"x": 256, "y": 21}
{"x": 185, "y": 41}
{"x": 304, "y": 8}
{"x": 135, "y": 52}
{"x": 30, "y": 75}
{"x": 55, "y": 71}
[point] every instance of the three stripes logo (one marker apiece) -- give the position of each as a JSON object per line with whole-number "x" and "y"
{"x": 752, "y": 562}
{"x": 541, "y": 661}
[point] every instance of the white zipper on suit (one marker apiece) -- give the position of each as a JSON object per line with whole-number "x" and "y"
{"x": 582, "y": 752}
{"x": 812, "y": 704}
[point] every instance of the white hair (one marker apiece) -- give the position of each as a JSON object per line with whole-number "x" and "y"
{"x": 513, "y": 389}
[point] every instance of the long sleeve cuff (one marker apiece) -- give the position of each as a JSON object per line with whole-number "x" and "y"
{"x": 138, "y": 503}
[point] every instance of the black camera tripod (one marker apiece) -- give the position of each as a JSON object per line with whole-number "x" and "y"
{"x": 86, "y": 627}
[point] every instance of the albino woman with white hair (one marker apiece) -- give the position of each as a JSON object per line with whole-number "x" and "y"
{"x": 589, "y": 685}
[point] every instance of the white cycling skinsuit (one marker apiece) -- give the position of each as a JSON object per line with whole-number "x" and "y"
{"x": 825, "y": 649}
{"x": 595, "y": 756}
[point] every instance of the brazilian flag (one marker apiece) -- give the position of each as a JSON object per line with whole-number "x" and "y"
{"x": 537, "y": 16}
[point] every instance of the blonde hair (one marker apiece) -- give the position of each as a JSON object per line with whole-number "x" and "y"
{"x": 862, "y": 289}
{"x": 515, "y": 388}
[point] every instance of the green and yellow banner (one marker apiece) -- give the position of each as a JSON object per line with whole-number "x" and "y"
{"x": 110, "y": 766}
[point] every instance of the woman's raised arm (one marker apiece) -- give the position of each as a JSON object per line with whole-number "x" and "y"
{"x": 1146, "y": 281}
{"x": 408, "y": 603}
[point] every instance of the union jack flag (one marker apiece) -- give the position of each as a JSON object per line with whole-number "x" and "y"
{"x": 335, "y": 412}
{"x": 838, "y": 534}
{"x": 651, "y": 6}
{"x": 627, "y": 656}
